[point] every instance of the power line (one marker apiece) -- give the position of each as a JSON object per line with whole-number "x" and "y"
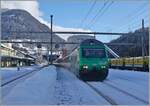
{"x": 90, "y": 10}
{"x": 138, "y": 26}
{"x": 134, "y": 22}
{"x": 100, "y": 10}
{"x": 130, "y": 16}
{"x": 138, "y": 20}
{"x": 102, "y": 13}
{"x": 141, "y": 11}
{"x": 138, "y": 12}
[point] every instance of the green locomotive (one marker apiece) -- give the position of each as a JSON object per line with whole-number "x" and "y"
{"x": 90, "y": 60}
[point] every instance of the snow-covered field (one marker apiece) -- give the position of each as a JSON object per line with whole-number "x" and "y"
{"x": 57, "y": 86}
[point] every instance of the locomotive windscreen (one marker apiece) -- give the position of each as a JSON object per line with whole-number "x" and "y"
{"x": 93, "y": 53}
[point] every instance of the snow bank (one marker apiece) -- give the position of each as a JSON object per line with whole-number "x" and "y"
{"x": 34, "y": 90}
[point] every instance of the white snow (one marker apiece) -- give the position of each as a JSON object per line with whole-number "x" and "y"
{"x": 133, "y": 82}
{"x": 57, "y": 86}
{"x": 44, "y": 88}
{"x": 134, "y": 76}
{"x": 69, "y": 90}
{"x": 34, "y": 90}
{"x": 8, "y": 74}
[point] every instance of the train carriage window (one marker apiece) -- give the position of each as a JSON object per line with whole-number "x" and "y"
{"x": 93, "y": 53}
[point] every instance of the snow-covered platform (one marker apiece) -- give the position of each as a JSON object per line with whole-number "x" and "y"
{"x": 58, "y": 86}
{"x": 12, "y": 72}
{"x": 11, "y": 76}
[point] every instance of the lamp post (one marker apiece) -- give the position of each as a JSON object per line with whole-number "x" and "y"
{"x": 51, "y": 61}
{"x": 142, "y": 38}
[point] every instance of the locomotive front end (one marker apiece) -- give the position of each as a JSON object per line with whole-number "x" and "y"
{"x": 93, "y": 61}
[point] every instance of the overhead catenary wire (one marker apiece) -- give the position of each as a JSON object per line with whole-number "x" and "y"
{"x": 136, "y": 12}
{"x": 141, "y": 12}
{"x": 86, "y": 16}
{"x": 130, "y": 18}
{"x": 133, "y": 24}
{"x": 101, "y": 12}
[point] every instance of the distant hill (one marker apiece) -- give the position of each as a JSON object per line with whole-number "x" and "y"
{"x": 77, "y": 38}
{"x": 21, "y": 20}
{"x": 4, "y": 10}
{"x": 132, "y": 37}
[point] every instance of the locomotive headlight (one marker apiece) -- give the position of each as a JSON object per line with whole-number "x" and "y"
{"x": 85, "y": 67}
{"x": 103, "y": 66}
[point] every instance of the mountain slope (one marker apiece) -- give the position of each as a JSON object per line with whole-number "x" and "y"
{"x": 21, "y": 20}
{"x": 132, "y": 37}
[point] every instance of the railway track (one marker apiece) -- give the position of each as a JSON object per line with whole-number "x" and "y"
{"x": 19, "y": 77}
{"x": 107, "y": 98}
{"x": 112, "y": 100}
{"x": 126, "y": 93}
{"x": 129, "y": 80}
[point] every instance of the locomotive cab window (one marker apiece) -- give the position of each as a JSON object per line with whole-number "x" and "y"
{"x": 93, "y": 53}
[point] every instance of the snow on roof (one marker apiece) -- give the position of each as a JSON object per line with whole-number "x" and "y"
{"x": 5, "y": 46}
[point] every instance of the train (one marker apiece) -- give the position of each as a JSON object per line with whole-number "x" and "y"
{"x": 131, "y": 63}
{"x": 89, "y": 61}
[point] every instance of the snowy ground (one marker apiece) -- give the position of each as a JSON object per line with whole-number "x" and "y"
{"x": 57, "y": 86}
{"x": 10, "y": 73}
{"x": 72, "y": 91}
{"x": 125, "y": 87}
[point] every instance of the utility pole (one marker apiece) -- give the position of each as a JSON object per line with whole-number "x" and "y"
{"x": 51, "y": 61}
{"x": 94, "y": 36}
{"x": 142, "y": 38}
